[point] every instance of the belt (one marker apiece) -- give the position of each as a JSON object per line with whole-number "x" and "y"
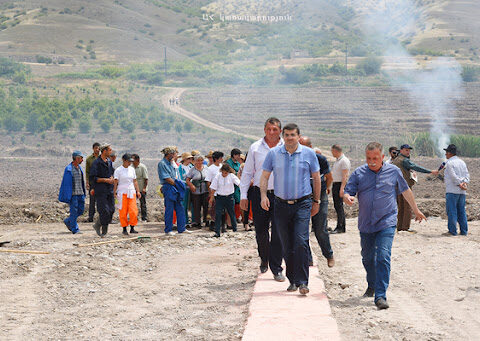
{"x": 294, "y": 201}
{"x": 270, "y": 191}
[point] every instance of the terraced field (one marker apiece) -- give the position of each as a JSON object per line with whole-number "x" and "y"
{"x": 345, "y": 115}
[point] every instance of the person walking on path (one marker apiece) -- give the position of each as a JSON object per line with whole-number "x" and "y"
{"x": 408, "y": 169}
{"x": 269, "y": 247}
{"x": 127, "y": 191}
{"x": 72, "y": 191}
{"x": 222, "y": 189}
{"x": 173, "y": 191}
{"x": 234, "y": 163}
{"x": 320, "y": 220}
{"x": 340, "y": 170}
{"x": 141, "y": 173}
{"x": 101, "y": 177}
{"x": 292, "y": 165}
{"x": 213, "y": 170}
{"x": 456, "y": 182}
{"x": 199, "y": 190}
{"x": 377, "y": 184}
{"x": 88, "y": 165}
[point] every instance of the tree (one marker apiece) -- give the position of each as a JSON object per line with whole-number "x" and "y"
{"x": 63, "y": 123}
{"x": 13, "y": 123}
{"x": 84, "y": 125}
{"x": 370, "y": 65}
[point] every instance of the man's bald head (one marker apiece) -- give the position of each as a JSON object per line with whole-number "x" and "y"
{"x": 305, "y": 141}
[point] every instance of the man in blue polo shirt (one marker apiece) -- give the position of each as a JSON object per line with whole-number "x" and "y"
{"x": 377, "y": 185}
{"x": 293, "y": 165}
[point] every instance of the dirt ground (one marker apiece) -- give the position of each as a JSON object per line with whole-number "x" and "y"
{"x": 194, "y": 287}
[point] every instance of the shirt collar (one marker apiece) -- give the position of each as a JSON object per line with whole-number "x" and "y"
{"x": 280, "y": 143}
{"x": 341, "y": 157}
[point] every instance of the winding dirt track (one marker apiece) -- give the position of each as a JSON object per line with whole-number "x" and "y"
{"x": 177, "y": 92}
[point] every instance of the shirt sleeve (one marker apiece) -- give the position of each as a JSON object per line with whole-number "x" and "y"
{"x": 352, "y": 185}
{"x": 162, "y": 171}
{"x": 409, "y": 165}
{"x": 451, "y": 174}
{"x": 268, "y": 162}
{"x": 214, "y": 184}
{"x": 345, "y": 164}
{"x": 92, "y": 176}
{"x": 402, "y": 185}
{"x": 145, "y": 172}
{"x": 314, "y": 165}
{"x": 190, "y": 173}
{"x": 236, "y": 180}
{"x": 247, "y": 173}
{"x": 115, "y": 174}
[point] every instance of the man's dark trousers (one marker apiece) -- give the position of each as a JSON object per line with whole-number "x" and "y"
{"x": 292, "y": 223}
{"x": 269, "y": 247}
{"x": 143, "y": 205}
{"x": 338, "y": 204}
{"x": 91, "y": 206}
{"x": 105, "y": 207}
{"x": 319, "y": 227}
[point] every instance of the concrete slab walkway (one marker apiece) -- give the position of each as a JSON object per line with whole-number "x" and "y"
{"x": 275, "y": 314}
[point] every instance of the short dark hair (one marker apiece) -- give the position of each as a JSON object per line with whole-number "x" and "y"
{"x": 96, "y": 144}
{"x": 136, "y": 157}
{"x": 273, "y": 120}
{"x": 291, "y": 126}
{"x": 337, "y": 147}
{"x": 217, "y": 155}
{"x": 235, "y": 151}
{"x": 226, "y": 168}
{"x": 391, "y": 149}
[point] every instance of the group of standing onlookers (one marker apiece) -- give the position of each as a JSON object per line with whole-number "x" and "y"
{"x": 285, "y": 182}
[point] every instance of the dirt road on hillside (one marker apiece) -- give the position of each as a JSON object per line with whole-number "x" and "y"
{"x": 177, "y": 92}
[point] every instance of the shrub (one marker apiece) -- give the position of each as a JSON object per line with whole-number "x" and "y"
{"x": 84, "y": 125}
{"x": 63, "y": 123}
{"x": 470, "y": 73}
{"x": 127, "y": 125}
{"x": 370, "y": 65}
{"x": 13, "y": 123}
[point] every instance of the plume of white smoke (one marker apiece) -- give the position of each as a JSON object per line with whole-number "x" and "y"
{"x": 433, "y": 88}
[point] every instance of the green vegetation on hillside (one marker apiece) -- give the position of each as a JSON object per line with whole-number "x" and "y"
{"x": 423, "y": 144}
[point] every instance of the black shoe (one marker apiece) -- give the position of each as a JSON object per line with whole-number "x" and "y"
{"x": 132, "y": 230}
{"x": 96, "y": 227}
{"x": 224, "y": 229}
{"x": 337, "y": 230}
{"x": 292, "y": 287}
{"x": 90, "y": 220}
{"x": 303, "y": 288}
{"x": 234, "y": 230}
{"x": 279, "y": 277}
{"x": 124, "y": 232}
{"x": 310, "y": 263}
{"x": 216, "y": 235}
{"x": 263, "y": 267}
{"x": 369, "y": 292}
{"x": 104, "y": 230}
{"x": 381, "y": 303}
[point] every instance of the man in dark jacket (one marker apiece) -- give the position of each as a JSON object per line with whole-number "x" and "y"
{"x": 72, "y": 191}
{"x": 101, "y": 178}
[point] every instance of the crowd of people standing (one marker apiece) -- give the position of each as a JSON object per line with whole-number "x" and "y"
{"x": 282, "y": 184}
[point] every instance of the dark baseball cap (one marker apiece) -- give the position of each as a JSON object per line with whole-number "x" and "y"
{"x": 405, "y": 146}
{"x": 451, "y": 149}
{"x": 77, "y": 153}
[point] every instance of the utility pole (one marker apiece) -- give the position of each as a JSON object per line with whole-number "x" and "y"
{"x": 165, "y": 49}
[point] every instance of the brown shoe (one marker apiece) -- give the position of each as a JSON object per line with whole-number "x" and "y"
{"x": 331, "y": 262}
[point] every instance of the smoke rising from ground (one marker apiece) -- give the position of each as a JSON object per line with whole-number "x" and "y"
{"x": 433, "y": 88}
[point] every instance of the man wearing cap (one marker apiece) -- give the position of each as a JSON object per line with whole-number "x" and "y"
{"x": 142, "y": 179}
{"x": 88, "y": 165}
{"x": 72, "y": 191}
{"x": 403, "y": 162}
{"x": 101, "y": 176}
{"x": 173, "y": 192}
{"x": 456, "y": 181}
{"x": 183, "y": 169}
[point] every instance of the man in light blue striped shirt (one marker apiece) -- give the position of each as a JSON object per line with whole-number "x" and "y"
{"x": 456, "y": 180}
{"x": 292, "y": 165}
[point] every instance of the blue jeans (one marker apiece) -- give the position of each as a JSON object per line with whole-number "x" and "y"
{"x": 292, "y": 222}
{"x": 176, "y": 205}
{"x": 77, "y": 205}
{"x": 319, "y": 227}
{"x": 456, "y": 212}
{"x": 224, "y": 203}
{"x": 376, "y": 253}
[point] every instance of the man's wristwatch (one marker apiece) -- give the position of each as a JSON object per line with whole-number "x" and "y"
{"x": 316, "y": 201}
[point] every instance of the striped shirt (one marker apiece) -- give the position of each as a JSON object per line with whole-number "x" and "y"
{"x": 292, "y": 171}
{"x": 77, "y": 181}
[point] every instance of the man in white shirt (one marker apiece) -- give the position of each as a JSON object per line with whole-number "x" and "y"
{"x": 269, "y": 248}
{"x": 456, "y": 182}
{"x": 340, "y": 170}
{"x": 213, "y": 170}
